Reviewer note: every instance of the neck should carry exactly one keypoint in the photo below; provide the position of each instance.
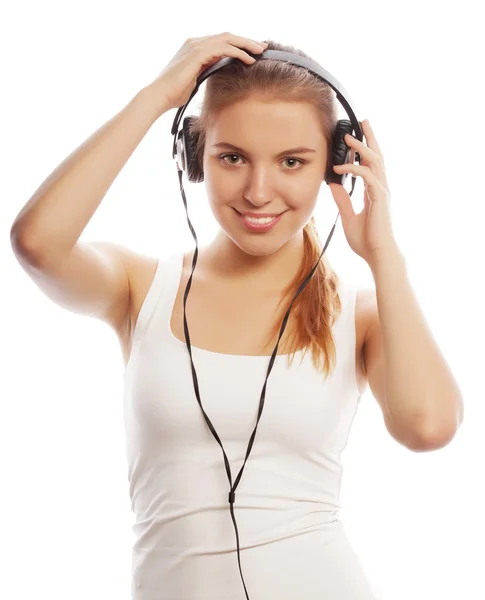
(225, 261)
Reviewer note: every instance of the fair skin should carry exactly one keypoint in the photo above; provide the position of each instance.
(258, 180)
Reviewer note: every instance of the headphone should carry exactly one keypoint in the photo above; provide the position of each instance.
(184, 153)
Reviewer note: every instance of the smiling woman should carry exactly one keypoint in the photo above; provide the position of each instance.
(266, 140)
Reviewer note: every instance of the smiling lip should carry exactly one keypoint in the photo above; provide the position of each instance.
(259, 227)
(258, 215)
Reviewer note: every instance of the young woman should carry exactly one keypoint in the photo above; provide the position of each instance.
(264, 146)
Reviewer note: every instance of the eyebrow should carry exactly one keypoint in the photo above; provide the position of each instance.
(299, 150)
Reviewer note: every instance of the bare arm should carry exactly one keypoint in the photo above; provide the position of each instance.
(52, 221)
(89, 278)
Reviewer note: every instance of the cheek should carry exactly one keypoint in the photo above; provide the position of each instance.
(220, 190)
(301, 201)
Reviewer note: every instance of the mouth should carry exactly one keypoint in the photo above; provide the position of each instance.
(262, 215)
(259, 225)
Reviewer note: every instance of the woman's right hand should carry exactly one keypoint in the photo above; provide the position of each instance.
(178, 79)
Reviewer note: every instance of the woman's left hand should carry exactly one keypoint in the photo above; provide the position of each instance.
(369, 233)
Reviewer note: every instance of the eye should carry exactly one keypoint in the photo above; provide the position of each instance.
(298, 160)
(288, 158)
(224, 156)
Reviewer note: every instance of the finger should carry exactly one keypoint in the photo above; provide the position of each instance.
(260, 43)
(236, 52)
(367, 175)
(365, 152)
(236, 49)
(370, 137)
(343, 201)
(242, 42)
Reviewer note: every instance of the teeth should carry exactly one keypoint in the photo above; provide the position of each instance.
(261, 220)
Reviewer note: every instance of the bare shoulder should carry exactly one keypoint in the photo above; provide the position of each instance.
(133, 261)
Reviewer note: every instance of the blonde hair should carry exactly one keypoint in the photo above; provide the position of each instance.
(318, 305)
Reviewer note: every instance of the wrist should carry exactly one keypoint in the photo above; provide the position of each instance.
(392, 255)
(153, 99)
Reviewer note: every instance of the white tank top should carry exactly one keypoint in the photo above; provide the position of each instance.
(292, 544)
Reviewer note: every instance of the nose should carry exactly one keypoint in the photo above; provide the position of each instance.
(258, 190)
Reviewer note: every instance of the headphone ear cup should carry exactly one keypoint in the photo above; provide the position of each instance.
(341, 153)
(192, 166)
(179, 151)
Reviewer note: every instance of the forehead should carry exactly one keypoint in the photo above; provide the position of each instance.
(259, 118)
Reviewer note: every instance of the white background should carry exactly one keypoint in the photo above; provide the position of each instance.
(415, 70)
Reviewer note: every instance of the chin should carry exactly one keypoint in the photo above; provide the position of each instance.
(255, 246)
(259, 244)
(259, 249)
